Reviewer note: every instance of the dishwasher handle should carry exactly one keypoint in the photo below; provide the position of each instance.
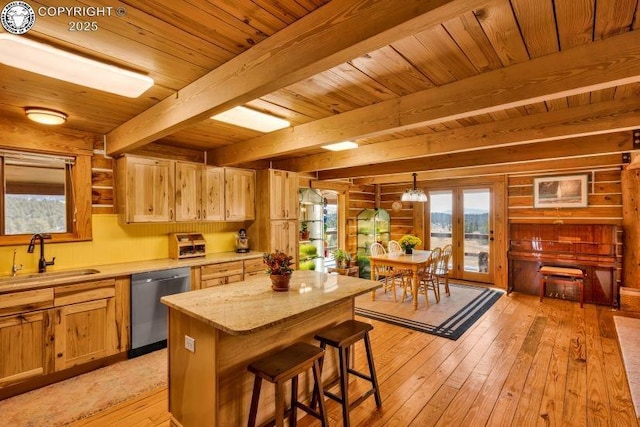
(164, 279)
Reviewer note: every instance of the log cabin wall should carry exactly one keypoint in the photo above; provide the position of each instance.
(604, 198)
(604, 202)
(402, 221)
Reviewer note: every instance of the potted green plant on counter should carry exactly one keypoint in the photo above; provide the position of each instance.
(342, 257)
(279, 269)
(408, 242)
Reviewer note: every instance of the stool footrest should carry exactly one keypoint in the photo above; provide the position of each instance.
(359, 374)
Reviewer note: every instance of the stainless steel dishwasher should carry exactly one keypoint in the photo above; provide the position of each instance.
(148, 314)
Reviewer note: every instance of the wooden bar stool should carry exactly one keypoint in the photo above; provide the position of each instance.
(281, 367)
(573, 276)
(342, 337)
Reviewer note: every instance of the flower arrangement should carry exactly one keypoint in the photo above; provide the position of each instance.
(278, 263)
(409, 241)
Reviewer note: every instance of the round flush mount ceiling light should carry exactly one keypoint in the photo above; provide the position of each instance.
(45, 116)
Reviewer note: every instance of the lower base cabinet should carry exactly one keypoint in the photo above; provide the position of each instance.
(27, 346)
(254, 267)
(84, 332)
(48, 330)
(221, 274)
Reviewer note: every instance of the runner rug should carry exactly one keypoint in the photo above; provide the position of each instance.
(79, 397)
(449, 318)
(628, 330)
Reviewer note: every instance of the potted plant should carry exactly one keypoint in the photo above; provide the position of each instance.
(342, 257)
(408, 242)
(304, 231)
(279, 269)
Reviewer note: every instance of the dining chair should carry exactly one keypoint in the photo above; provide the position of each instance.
(442, 270)
(426, 277)
(403, 274)
(384, 271)
(394, 247)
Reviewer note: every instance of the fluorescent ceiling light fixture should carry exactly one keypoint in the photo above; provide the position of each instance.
(45, 116)
(413, 194)
(251, 119)
(340, 146)
(40, 58)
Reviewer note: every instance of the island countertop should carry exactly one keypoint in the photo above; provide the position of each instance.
(249, 306)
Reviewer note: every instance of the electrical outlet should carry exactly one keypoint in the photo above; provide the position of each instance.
(190, 343)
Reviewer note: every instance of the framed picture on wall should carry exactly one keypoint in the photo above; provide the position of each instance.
(560, 191)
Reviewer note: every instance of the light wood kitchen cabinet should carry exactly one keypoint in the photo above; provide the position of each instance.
(85, 323)
(276, 197)
(283, 196)
(44, 331)
(188, 191)
(239, 194)
(213, 194)
(254, 267)
(27, 335)
(145, 189)
(221, 274)
(284, 237)
(199, 192)
(157, 190)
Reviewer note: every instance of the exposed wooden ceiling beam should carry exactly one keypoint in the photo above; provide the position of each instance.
(603, 117)
(602, 64)
(540, 166)
(333, 34)
(565, 148)
(22, 135)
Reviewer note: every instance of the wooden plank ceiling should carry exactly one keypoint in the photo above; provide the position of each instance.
(443, 88)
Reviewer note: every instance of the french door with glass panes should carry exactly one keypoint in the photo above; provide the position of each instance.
(463, 217)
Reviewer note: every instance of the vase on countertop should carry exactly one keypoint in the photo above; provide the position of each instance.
(408, 251)
(280, 282)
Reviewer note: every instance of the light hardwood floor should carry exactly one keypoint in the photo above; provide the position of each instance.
(524, 363)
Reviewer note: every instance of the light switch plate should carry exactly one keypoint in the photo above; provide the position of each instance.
(190, 343)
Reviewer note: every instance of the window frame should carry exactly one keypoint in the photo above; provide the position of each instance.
(80, 200)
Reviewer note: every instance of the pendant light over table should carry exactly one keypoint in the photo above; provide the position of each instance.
(414, 195)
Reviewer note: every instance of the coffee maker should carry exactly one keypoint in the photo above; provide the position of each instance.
(242, 241)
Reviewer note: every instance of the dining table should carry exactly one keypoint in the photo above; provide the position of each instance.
(399, 260)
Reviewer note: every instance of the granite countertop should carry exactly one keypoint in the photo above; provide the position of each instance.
(27, 281)
(252, 305)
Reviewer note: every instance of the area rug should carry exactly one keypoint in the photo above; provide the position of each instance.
(449, 318)
(79, 397)
(628, 329)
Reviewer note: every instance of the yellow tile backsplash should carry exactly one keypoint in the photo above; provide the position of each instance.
(114, 242)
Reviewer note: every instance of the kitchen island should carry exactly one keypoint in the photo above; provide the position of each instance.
(233, 325)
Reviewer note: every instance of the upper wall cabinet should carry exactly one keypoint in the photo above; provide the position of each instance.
(188, 191)
(239, 194)
(283, 192)
(145, 189)
(199, 192)
(213, 194)
(157, 190)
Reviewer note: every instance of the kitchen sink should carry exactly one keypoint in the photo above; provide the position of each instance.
(5, 280)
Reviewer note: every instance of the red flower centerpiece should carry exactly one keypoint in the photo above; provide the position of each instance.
(279, 269)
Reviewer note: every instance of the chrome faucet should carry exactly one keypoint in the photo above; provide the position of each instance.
(42, 262)
(15, 267)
